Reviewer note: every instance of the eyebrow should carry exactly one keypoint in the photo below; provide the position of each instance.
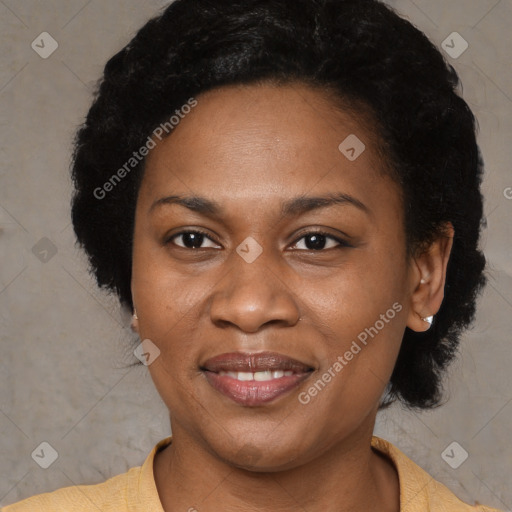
(292, 207)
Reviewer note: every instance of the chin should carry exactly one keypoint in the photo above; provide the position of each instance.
(262, 458)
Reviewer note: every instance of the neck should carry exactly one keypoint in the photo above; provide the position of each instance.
(350, 476)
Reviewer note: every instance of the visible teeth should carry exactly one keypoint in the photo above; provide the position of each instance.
(263, 375)
(258, 376)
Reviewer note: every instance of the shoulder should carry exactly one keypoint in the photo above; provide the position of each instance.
(132, 491)
(419, 491)
(109, 496)
(443, 499)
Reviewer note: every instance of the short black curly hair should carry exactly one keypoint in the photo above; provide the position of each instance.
(367, 54)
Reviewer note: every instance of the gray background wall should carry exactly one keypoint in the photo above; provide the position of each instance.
(66, 345)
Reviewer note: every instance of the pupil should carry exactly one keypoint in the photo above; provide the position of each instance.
(193, 239)
(318, 242)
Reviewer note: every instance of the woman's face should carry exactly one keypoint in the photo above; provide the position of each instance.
(260, 279)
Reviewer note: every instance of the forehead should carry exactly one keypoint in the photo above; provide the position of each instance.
(259, 142)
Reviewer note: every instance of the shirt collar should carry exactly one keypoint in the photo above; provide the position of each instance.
(413, 480)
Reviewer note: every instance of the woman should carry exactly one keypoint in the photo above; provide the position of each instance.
(286, 194)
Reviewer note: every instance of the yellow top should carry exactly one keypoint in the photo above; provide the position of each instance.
(135, 490)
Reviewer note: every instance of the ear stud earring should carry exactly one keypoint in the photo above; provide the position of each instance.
(134, 321)
(429, 320)
(423, 280)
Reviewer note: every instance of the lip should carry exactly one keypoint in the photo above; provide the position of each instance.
(253, 392)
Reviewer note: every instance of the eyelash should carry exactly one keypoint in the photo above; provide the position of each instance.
(342, 243)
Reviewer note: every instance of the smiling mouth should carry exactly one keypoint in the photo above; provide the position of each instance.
(254, 379)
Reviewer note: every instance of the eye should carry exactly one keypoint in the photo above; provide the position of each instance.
(316, 241)
(191, 239)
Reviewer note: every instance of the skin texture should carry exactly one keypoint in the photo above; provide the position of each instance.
(250, 148)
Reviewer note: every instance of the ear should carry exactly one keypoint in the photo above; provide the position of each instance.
(427, 279)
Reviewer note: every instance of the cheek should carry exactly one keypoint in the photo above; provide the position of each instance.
(162, 295)
(355, 373)
(167, 313)
(354, 296)
(360, 315)
(177, 394)
(362, 336)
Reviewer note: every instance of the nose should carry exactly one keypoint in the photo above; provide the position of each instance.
(253, 295)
